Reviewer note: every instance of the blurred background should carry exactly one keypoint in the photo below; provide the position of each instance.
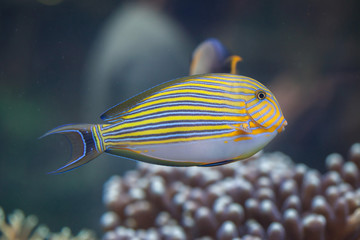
(67, 61)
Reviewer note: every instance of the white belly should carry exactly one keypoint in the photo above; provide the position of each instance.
(206, 151)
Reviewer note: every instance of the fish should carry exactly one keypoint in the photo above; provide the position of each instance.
(211, 56)
(199, 120)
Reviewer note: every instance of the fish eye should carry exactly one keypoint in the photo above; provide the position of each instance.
(261, 95)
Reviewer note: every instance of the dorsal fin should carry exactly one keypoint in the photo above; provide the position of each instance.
(114, 114)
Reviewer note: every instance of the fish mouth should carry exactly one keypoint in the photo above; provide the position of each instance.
(282, 128)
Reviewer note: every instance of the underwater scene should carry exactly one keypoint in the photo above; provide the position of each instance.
(156, 119)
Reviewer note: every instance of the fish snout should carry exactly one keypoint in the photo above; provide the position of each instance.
(282, 128)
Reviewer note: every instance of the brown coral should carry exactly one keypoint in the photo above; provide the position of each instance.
(267, 198)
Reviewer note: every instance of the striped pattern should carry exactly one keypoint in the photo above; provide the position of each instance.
(99, 144)
(194, 108)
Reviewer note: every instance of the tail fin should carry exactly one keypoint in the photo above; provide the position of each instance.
(83, 139)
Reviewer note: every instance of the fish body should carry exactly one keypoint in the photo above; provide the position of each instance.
(199, 120)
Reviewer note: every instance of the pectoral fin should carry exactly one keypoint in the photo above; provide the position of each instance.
(244, 127)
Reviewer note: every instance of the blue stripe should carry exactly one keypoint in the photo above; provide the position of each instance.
(262, 115)
(169, 136)
(238, 77)
(195, 95)
(251, 83)
(184, 103)
(277, 119)
(79, 158)
(170, 124)
(111, 126)
(256, 104)
(212, 90)
(251, 100)
(187, 134)
(118, 116)
(183, 113)
(100, 138)
(205, 83)
(94, 140)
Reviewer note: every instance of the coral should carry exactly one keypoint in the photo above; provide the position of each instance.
(268, 197)
(20, 227)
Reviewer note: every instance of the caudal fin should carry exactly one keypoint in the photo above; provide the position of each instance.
(83, 139)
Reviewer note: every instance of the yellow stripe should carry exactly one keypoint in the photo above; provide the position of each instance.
(98, 139)
(171, 130)
(191, 99)
(244, 80)
(176, 118)
(231, 88)
(187, 139)
(205, 92)
(180, 108)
